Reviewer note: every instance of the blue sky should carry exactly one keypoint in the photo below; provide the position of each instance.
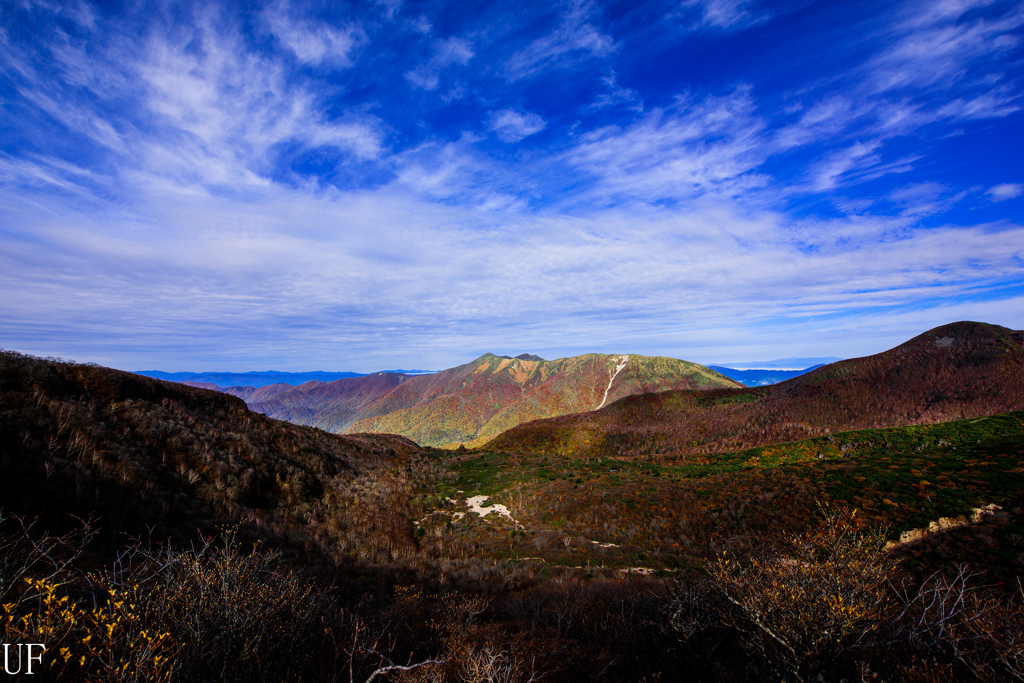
(395, 184)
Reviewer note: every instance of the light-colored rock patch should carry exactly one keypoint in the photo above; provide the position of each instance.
(945, 524)
(476, 504)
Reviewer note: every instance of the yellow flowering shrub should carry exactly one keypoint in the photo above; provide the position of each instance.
(109, 642)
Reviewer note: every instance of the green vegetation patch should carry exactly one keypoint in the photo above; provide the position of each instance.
(677, 512)
(487, 474)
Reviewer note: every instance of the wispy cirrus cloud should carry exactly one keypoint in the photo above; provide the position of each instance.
(446, 53)
(228, 115)
(924, 199)
(939, 43)
(934, 64)
(214, 111)
(823, 120)
(694, 148)
(725, 14)
(856, 164)
(615, 94)
(268, 285)
(512, 126)
(286, 188)
(575, 38)
(314, 42)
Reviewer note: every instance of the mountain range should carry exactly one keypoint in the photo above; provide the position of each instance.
(762, 376)
(251, 379)
(557, 520)
(471, 403)
(147, 454)
(331, 406)
(957, 371)
(779, 363)
(256, 379)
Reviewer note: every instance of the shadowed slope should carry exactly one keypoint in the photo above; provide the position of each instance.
(152, 456)
(474, 402)
(964, 369)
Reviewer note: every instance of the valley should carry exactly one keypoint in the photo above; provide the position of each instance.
(596, 538)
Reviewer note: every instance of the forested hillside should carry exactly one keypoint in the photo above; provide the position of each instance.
(472, 403)
(169, 533)
(960, 370)
(150, 457)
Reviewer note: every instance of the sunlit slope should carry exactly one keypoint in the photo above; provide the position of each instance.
(956, 371)
(474, 402)
(670, 512)
(331, 406)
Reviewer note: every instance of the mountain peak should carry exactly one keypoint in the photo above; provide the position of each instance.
(522, 356)
(475, 402)
(964, 331)
(956, 371)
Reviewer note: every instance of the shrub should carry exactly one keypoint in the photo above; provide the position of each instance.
(809, 607)
(234, 614)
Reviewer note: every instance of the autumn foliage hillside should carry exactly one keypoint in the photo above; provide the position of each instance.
(359, 558)
(960, 370)
(477, 401)
(331, 406)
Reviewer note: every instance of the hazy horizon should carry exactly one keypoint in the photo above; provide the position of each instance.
(777, 364)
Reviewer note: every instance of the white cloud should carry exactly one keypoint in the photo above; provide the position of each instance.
(725, 14)
(512, 126)
(439, 171)
(314, 43)
(855, 164)
(1005, 191)
(390, 7)
(213, 111)
(345, 275)
(822, 121)
(707, 147)
(940, 41)
(992, 104)
(80, 119)
(224, 110)
(938, 63)
(421, 25)
(615, 94)
(573, 39)
(183, 237)
(924, 199)
(446, 53)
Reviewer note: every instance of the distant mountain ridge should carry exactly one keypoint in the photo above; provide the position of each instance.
(761, 377)
(956, 371)
(331, 406)
(780, 363)
(251, 379)
(474, 402)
